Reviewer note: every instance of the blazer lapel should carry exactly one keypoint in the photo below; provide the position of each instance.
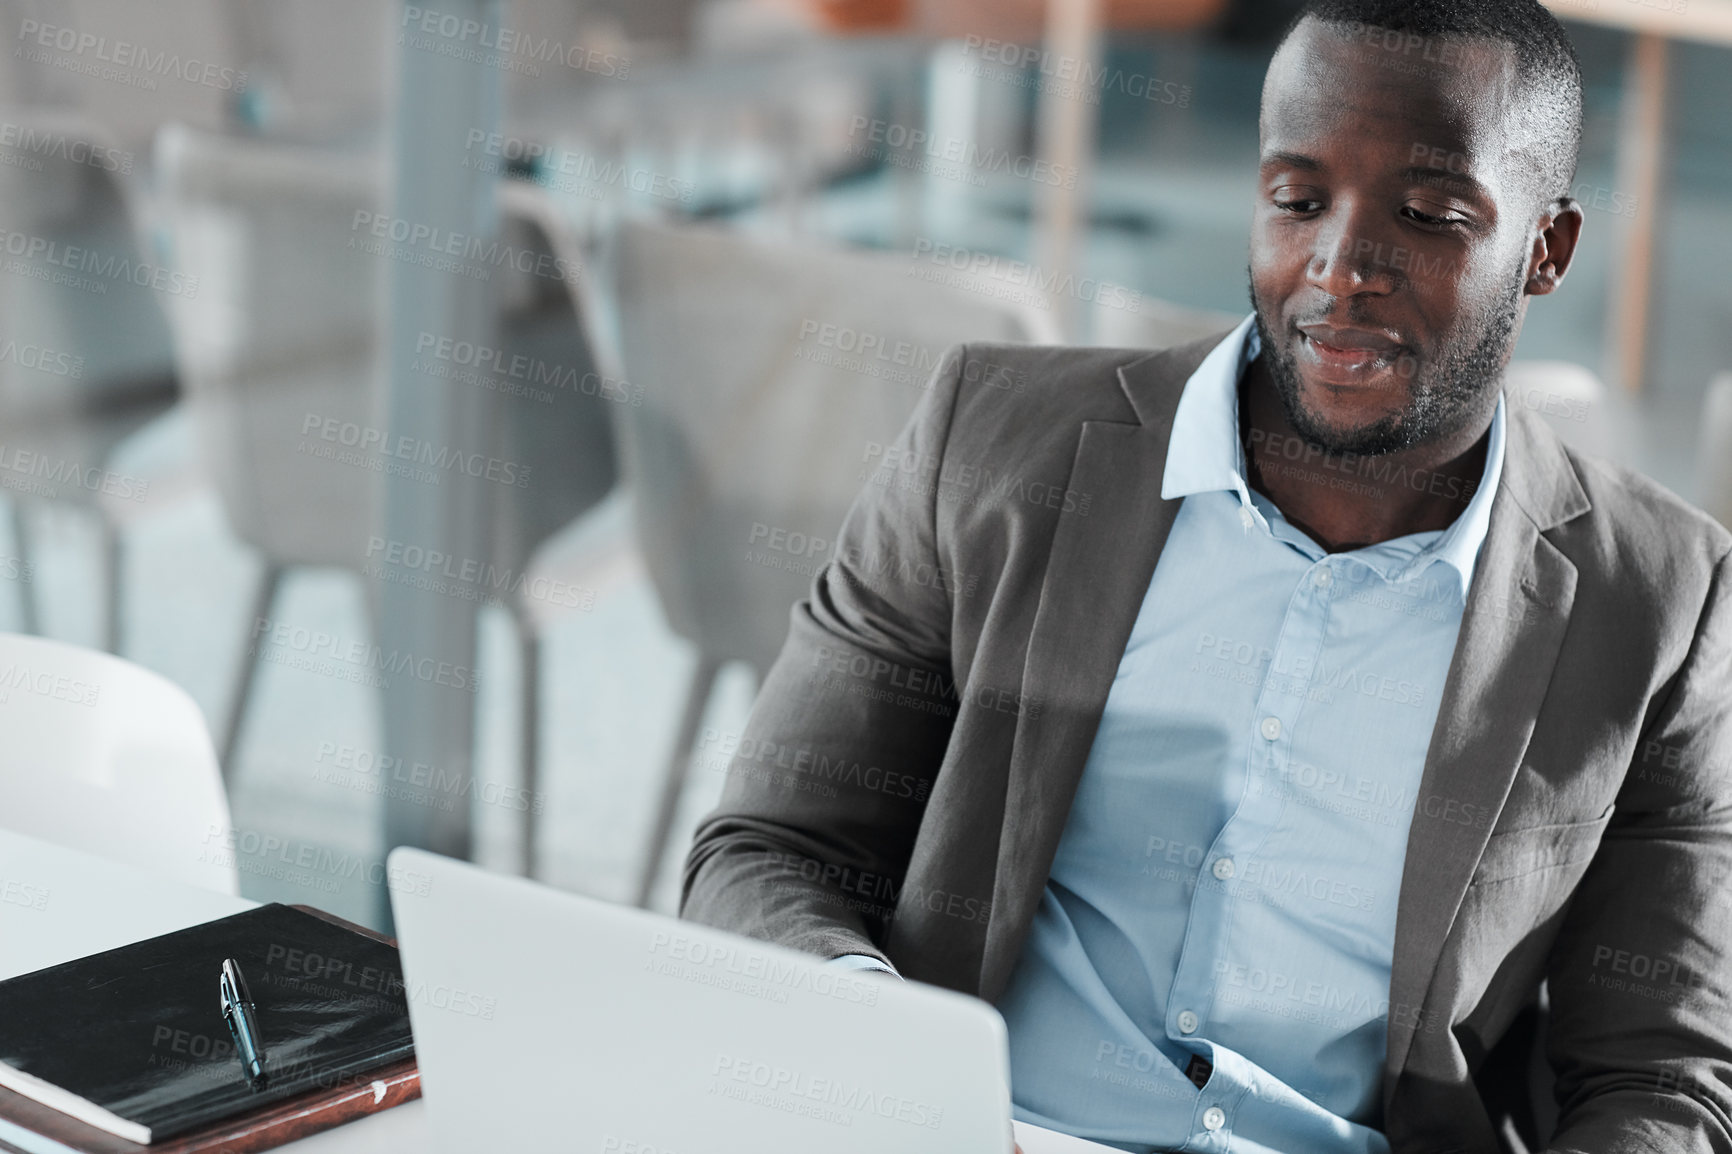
(1518, 608)
(1097, 574)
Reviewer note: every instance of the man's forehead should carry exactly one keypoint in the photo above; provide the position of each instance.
(1453, 92)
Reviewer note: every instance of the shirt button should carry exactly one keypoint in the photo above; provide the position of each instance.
(1188, 1022)
(1322, 578)
(1223, 868)
(1214, 1118)
(1271, 728)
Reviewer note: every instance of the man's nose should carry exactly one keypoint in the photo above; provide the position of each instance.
(1351, 258)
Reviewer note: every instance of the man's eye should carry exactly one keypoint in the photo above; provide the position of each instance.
(1427, 219)
(1297, 206)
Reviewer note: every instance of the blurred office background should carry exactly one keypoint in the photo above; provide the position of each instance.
(713, 250)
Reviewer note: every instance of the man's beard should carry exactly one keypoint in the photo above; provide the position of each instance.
(1442, 397)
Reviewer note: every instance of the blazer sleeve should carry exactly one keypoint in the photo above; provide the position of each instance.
(1641, 975)
(827, 784)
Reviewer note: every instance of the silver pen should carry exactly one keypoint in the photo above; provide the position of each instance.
(242, 1020)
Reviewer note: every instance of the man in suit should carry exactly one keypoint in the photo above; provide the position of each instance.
(1259, 723)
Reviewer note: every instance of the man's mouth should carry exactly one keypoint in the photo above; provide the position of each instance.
(1349, 352)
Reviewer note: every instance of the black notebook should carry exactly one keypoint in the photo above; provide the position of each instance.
(133, 1040)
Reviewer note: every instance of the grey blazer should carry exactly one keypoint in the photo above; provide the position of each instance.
(908, 767)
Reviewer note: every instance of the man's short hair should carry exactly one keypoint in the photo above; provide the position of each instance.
(1548, 72)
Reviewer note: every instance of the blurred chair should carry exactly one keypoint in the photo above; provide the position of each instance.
(288, 330)
(107, 757)
(155, 74)
(1714, 459)
(756, 418)
(1020, 21)
(1589, 417)
(79, 293)
(315, 69)
(1158, 324)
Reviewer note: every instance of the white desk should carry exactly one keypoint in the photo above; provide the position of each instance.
(88, 904)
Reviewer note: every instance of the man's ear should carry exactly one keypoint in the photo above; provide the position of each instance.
(1554, 246)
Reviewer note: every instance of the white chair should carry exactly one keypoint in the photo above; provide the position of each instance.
(1158, 324)
(113, 371)
(104, 756)
(758, 410)
(287, 328)
(133, 90)
(1586, 415)
(1714, 460)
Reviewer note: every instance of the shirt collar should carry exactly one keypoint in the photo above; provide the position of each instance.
(1206, 454)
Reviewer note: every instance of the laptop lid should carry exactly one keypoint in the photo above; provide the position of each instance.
(548, 1021)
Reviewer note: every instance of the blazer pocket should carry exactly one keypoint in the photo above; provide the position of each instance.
(1518, 852)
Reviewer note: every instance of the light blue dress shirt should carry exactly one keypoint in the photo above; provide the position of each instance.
(1226, 882)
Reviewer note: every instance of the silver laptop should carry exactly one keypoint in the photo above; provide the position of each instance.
(548, 1021)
